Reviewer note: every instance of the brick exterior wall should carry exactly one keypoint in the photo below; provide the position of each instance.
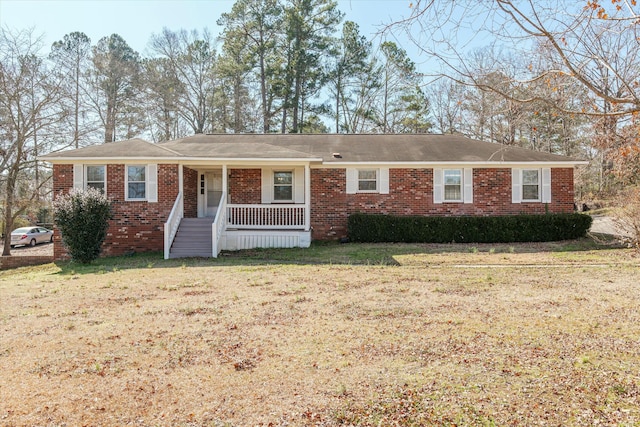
(139, 226)
(135, 226)
(411, 193)
(245, 186)
(191, 184)
(8, 262)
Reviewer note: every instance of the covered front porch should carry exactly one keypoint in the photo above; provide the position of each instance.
(239, 206)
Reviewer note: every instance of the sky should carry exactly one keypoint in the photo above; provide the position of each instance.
(137, 20)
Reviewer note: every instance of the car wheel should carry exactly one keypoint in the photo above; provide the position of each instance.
(51, 239)
(13, 246)
(32, 243)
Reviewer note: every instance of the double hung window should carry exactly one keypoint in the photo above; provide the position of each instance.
(531, 185)
(136, 184)
(96, 177)
(283, 186)
(367, 180)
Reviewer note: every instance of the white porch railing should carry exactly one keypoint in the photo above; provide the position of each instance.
(267, 217)
(171, 226)
(217, 227)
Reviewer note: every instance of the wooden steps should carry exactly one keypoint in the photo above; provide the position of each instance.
(193, 238)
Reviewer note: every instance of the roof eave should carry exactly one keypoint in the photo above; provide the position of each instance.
(181, 160)
(462, 163)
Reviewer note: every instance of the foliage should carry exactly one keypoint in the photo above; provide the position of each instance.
(116, 84)
(82, 218)
(467, 229)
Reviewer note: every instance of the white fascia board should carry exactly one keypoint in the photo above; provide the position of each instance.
(484, 165)
(198, 161)
(108, 160)
(188, 161)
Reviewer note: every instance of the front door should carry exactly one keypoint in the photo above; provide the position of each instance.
(212, 192)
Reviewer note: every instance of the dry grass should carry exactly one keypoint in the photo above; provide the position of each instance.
(456, 335)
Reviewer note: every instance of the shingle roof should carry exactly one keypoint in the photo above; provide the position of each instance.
(130, 148)
(352, 148)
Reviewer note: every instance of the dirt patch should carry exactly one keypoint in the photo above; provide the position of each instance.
(202, 343)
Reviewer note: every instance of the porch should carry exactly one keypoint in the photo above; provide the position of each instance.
(216, 224)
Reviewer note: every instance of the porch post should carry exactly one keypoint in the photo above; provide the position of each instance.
(181, 183)
(225, 190)
(307, 198)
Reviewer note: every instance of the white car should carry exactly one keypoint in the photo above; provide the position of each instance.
(30, 236)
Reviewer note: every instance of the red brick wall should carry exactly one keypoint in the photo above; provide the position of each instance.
(411, 193)
(62, 179)
(8, 262)
(135, 226)
(245, 186)
(191, 189)
(62, 184)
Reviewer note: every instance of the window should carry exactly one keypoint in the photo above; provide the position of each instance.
(452, 185)
(367, 180)
(136, 182)
(96, 177)
(283, 186)
(531, 184)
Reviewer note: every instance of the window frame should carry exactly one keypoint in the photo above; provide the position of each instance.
(460, 185)
(375, 180)
(104, 181)
(127, 182)
(290, 185)
(538, 184)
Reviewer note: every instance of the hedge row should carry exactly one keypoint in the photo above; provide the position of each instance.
(467, 229)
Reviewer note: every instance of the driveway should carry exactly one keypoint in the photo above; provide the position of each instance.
(43, 249)
(607, 225)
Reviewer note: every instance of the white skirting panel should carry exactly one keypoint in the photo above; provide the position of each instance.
(250, 239)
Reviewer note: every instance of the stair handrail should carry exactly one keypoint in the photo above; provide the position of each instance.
(172, 224)
(218, 225)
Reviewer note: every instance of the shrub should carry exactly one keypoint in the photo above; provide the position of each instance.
(82, 218)
(467, 229)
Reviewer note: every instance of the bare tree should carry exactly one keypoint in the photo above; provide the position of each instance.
(29, 100)
(583, 40)
(71, 55)
(192, 58)
(446, 98)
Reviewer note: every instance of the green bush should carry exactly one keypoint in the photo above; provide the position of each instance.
(467, 229)
(82, 218)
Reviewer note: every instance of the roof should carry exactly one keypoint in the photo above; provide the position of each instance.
(324, 148)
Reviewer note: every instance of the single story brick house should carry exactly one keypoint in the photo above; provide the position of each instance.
(198, 195)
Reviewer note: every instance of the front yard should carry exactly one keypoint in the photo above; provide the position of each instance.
(545, 334)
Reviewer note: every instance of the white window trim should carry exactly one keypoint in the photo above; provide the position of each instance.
(466, 186)
(544, 186)
(273, 185)
(376, 180)
(444, 186)
(353, 181)
(126, 183)
(85, 183)
(538, 199)
(267, 184)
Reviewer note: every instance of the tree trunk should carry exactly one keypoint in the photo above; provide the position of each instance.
(9, 200)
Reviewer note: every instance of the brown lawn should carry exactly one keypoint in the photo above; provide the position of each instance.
(399, 335)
